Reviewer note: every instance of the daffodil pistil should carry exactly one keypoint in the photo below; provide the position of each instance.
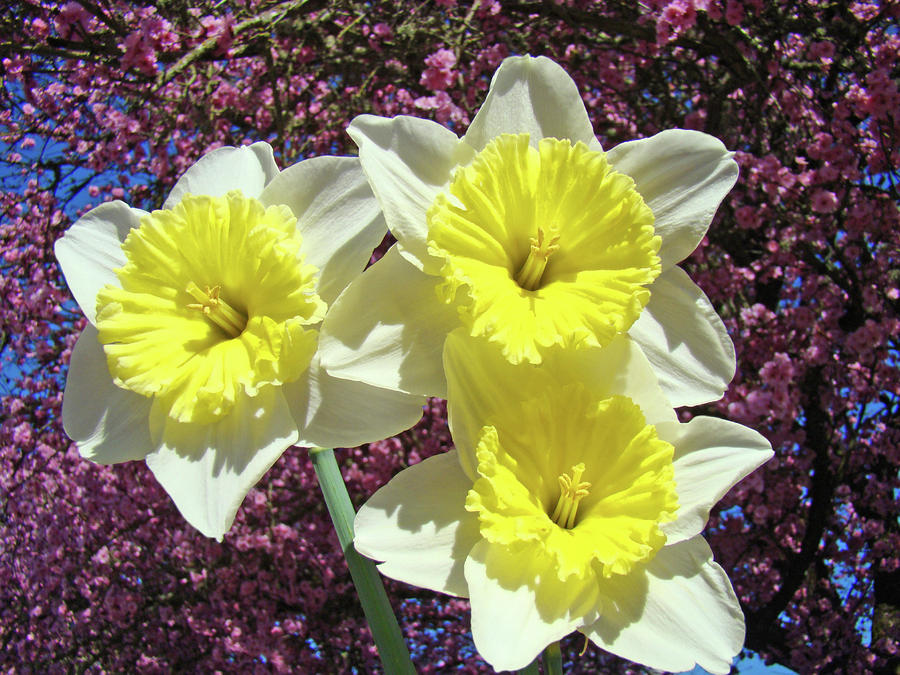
(214, 300)
(571, 491)
(542, 246)
(217, 310)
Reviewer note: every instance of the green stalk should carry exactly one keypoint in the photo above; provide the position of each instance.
(553, 659)
(531, 669)
(382, 622)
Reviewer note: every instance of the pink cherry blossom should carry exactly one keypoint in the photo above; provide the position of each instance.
(113, 99)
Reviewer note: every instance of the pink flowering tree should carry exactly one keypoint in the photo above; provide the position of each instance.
(105, 100)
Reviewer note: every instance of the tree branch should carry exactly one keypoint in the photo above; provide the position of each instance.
(763, 623)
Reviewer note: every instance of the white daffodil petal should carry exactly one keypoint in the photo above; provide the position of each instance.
(388, 329)
(683, 176)
(408, 161)
(508, 627)
(685, 340)
(91, 250)
(247, 168)
(337, 214)
(208, 469)
(711, 456)
(532, 95)
(620, 368)
(418, 526)
(337, 413)
(688, 615)
(109, 424)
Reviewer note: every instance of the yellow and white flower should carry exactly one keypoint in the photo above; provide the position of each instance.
(569, 504)
(201, 353)
(533, 237)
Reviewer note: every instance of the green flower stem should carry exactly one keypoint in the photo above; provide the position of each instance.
(531, 669)
(388, 638)
(553, 659)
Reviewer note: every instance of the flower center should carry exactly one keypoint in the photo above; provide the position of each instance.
(605, 526)
(213, 303)
(542, 247)
(571, 491)
(216, 309)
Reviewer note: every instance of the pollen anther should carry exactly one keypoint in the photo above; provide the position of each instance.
(216, 309)
(572, 491)
(542, 247)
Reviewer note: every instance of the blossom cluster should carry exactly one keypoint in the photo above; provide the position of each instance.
(800, 263)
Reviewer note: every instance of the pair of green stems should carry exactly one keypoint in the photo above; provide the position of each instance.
(372, 596)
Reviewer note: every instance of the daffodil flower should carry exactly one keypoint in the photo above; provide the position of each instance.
(533, 237)
(569, 503)
(201, 353)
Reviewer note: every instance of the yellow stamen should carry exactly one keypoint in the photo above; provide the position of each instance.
(217, 310)
(542, 247)
(584, 649)
(572, 491)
